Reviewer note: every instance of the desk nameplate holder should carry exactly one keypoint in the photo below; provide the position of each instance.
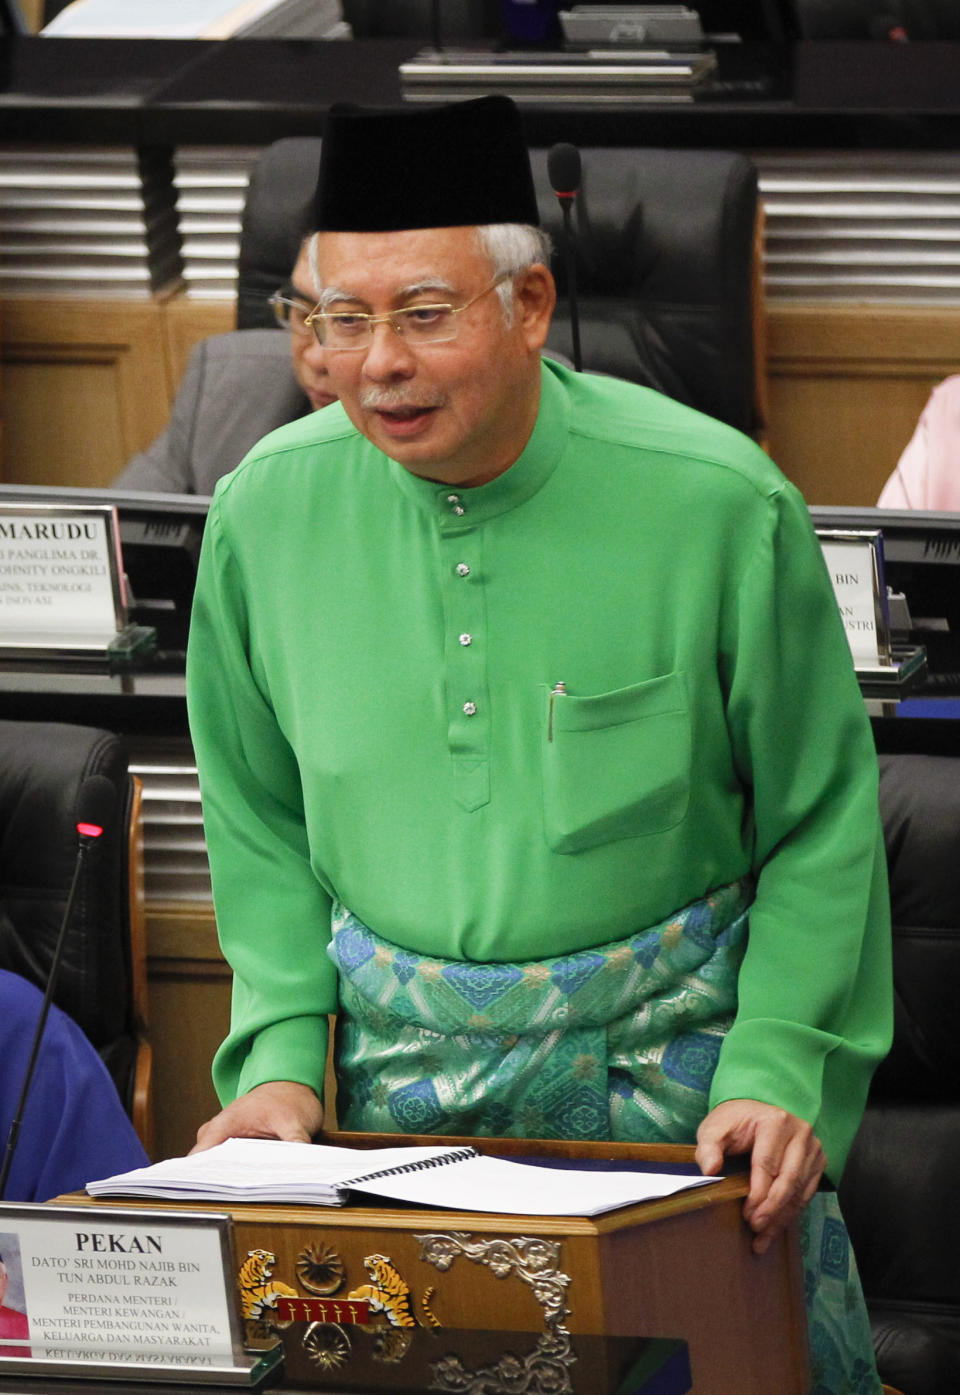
(63, 592)
(592, 26)
(123, 1294)
(854, 560)
(606, 76)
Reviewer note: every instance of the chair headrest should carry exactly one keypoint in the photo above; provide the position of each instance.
(276, 215)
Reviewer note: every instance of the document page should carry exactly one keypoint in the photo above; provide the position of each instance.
(498, 1184)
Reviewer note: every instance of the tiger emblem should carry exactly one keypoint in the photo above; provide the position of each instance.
(389, 1293)
(258, 1294)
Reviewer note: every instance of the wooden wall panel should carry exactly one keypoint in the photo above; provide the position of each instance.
(189, 992)
(847, 384)
(189, 1015)
(85, 385)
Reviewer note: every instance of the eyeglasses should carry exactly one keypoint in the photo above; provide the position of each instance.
(420, 324)
(291, 311)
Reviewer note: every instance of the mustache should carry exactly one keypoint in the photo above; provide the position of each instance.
(397, 399)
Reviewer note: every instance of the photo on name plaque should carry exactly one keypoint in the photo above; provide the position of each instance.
(14, 1323)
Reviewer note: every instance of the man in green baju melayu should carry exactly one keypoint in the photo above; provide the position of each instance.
(528, 735)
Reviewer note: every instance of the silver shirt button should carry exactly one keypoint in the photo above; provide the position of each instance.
(465, 640)
(462, 569)
(470, 708)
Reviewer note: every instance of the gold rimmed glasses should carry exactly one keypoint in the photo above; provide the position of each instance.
(420, 324)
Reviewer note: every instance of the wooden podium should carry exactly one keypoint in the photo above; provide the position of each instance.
(681, 1268)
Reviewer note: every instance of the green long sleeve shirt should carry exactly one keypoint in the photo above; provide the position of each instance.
(522, 719)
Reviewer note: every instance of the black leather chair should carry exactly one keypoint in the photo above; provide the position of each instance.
(667, 261)
(277, 212)
(668, 274)
(899, 1190)
(102, 979)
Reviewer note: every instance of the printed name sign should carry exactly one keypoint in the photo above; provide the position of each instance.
(91, 1290)
(61, 580)
(855, 563)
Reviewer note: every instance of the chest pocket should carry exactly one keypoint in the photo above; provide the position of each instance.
(615, 765)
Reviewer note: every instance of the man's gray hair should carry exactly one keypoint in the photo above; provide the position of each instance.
(512, 247)
(313, 243)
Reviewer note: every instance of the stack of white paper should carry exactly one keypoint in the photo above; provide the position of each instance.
(199, 19)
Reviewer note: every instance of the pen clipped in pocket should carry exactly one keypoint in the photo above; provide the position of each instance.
(615, 765)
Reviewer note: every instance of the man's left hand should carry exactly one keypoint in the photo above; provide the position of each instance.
(786, 1161)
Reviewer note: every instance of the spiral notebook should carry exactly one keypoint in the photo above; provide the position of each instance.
(261, 1169)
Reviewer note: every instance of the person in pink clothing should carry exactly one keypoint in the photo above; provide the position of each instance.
(928, 472)
(13, 1323)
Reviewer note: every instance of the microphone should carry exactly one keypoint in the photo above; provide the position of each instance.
(95, 804)
(563, 170)
(888, 25)
(563, 167)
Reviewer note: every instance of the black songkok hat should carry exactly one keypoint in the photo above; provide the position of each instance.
(458, 165)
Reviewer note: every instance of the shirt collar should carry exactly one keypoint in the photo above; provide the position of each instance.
(515, 486)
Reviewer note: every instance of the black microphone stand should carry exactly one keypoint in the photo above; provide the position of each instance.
(563, 171)
(570, 261)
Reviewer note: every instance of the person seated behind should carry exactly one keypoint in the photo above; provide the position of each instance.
(238, 387)
(74, 1128)
(928, 472)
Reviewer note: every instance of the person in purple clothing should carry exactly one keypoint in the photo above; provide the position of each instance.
(74, 1127)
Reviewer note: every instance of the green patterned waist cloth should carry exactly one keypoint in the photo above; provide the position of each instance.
(618, 1041)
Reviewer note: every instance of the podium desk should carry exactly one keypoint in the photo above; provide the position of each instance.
(681, 1268)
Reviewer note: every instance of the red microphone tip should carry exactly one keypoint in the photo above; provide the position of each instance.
(89, 830)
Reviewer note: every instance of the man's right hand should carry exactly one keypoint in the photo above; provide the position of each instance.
(281, 1109)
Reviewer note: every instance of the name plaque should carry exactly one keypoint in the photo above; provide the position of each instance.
(62, 584)
(855, 562)
(117, 1294)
